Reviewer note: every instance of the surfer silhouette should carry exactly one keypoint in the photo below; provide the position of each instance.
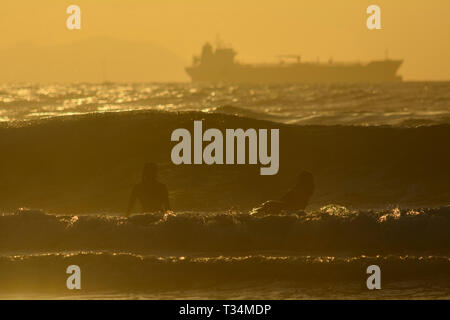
(151, 193)
(297, 198)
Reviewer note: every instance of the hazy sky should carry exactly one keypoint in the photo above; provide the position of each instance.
(415, 30)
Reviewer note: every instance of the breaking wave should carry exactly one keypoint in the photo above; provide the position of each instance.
(329, 230)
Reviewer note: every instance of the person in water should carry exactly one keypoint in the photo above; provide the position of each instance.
(296, 198)
(151, 193)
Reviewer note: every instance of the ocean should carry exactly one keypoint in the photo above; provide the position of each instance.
(71, 154)
(399, 104)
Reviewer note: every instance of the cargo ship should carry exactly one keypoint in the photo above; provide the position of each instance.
(219, 65)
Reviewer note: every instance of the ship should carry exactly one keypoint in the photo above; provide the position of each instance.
(219, 65)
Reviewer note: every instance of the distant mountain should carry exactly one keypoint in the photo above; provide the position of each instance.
(92, 60)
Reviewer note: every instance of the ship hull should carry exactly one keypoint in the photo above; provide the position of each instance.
(376, 71)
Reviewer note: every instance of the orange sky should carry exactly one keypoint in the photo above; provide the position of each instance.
(415, 30)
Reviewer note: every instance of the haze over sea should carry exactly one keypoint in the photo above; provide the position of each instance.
(72, 152)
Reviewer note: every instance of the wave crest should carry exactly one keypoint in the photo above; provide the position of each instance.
(106, 271)
(328, 230)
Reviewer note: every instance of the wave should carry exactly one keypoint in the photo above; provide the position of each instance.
(130, 272)
(89, 163)
(399, 104)
(331, 230)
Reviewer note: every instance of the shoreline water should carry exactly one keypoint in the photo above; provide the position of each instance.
(225, 277)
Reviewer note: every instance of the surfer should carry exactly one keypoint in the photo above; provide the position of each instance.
(296, 198)
(151, 193)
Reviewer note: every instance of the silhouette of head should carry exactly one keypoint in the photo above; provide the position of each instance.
(150, 171)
